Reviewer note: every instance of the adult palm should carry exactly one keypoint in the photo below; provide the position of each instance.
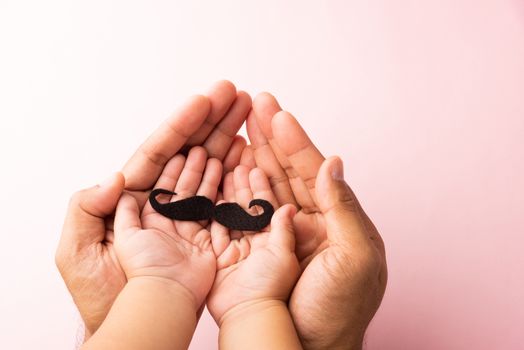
(341, 252)
(85, 256)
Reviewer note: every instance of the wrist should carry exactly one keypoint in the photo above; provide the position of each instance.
(249, 308)
(166, 286)
(342, 344)
(345, 340)
(143, 299)
(258, 324)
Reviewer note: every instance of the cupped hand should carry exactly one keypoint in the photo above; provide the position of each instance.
(85, 256)
(148, 244)
(341, 253)
(252, 266)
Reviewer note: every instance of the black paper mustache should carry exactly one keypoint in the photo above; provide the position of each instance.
(196, 208)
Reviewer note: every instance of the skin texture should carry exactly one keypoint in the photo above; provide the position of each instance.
(85, 256)
(341, 253)
(148, 244)
(255, 272)
(128, 325)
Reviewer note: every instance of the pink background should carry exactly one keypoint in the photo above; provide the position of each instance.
(424, 100)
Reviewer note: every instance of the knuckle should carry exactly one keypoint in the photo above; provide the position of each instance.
(77, 197)
(155, 157)
(348, 201)
(278, 180)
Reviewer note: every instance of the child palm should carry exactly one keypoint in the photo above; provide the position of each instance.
(149, 244)
(252, 266)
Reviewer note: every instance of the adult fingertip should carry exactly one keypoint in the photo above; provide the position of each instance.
(336, 168)
(198, 103)
(331, 188)
(265, 106)
(240, 140)
(225, 85)
(263, 98)
(244, 95)
(116, 179)
(282, 121)
(325, 178)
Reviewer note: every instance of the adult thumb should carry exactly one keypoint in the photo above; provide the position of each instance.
(84, 223)
(338, 204)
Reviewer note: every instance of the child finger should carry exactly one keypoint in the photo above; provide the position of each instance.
(211, 179)
(282, 233)
(191, 175)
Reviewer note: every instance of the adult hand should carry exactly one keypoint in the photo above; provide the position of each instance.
(340, 251)
(85, 256)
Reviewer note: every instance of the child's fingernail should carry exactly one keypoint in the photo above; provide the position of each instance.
(109, 181)
(337, 170)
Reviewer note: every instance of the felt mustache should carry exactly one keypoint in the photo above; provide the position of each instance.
(196, 208)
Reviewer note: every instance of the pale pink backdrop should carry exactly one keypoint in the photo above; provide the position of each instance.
(424, 100)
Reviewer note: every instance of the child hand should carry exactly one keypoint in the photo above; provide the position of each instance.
(256, 266)
(148, 244)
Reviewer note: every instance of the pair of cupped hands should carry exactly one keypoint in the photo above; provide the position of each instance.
(321, 254)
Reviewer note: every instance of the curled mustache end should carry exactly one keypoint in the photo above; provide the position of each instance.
(234, 217)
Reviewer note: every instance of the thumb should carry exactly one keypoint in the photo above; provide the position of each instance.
(282, 232)
(338, 204)
(85, 219)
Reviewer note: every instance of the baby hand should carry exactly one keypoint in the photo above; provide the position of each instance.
(148, 244)
(252, 267)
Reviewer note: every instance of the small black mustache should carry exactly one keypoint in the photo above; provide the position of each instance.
(196, 208)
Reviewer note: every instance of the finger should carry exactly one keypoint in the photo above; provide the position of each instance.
(248, 158)
(127, 216)
(219, 236)
(207, 180)
(237, 180)
(344, 224)
(167, 181)
(282, 234)
(221, 96)
(144, 167)
(233, 156)
(228, 187)
(141, 197)
(219, 140)
(171, 174)
(266, 107)
(235, 252)
(243, 192)
(191, 175)
(84, 223)
(304, 158)
(261, 187)
(266, 160)
(211, 179)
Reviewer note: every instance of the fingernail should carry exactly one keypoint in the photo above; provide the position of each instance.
(337, 170)
(108, 182)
